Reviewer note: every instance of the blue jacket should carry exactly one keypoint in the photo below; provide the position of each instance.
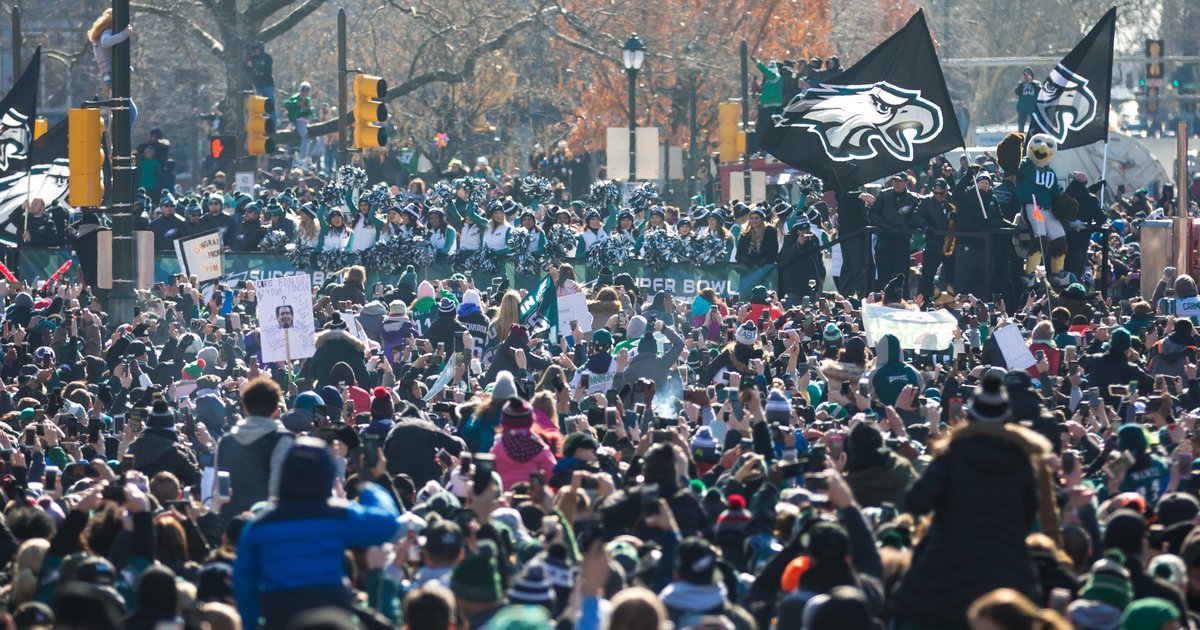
(300, 544)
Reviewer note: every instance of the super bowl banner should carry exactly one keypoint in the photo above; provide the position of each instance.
(684, 281)
(887, 112)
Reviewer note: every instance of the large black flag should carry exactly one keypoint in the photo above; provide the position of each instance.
(885, 113)
(1072, 105)
(18, 110)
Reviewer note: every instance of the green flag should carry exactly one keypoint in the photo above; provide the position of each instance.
(539, 309)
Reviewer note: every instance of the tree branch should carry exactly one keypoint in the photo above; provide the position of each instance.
(260, 10)
(287, 22)
(215, 46)
(468, 65)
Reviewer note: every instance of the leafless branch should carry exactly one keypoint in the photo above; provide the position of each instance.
(285, 23)
(184, 22)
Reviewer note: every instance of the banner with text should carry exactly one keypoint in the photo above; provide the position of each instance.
(285, 313)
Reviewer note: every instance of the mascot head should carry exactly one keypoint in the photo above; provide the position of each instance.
(1010, 151)
(860, 121)
(1041, 149)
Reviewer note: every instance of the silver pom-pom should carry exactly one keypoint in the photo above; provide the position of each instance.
(614, 252)
(643, 196)
(660, 248)
(482, 260)
(810, 185)
(535, 188)
(702, 250)
(604, 193)
(420, 252)
(336, 259)
(560, 241)
(442, 194)
(524, 260)
(301, 256)
(386, 257)
(477, 189)
(275, 242)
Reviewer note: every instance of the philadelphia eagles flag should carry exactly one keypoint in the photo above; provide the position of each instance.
(885, 113)
(1072, 106)
(29, 169)
(539, 309)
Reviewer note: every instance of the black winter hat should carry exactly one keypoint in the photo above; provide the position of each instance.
(308, 471)
(1125, 530)
(161, 416)
(381, 404)
(989, 405)
(695, 561)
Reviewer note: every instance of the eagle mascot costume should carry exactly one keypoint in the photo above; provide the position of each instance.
(1043, 208)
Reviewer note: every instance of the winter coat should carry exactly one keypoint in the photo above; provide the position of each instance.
(410, 448)
(1053, 356)
(166, 230)
(513, 471)
(396, 328)
(767, 253)
(334, 346)
(1107, 369)
(503, 359)
(1169, 356)
(352, 292)
(157, 450)
(888, 483)
(447, 330)
(653, 366)
(292, 557)
(245, 236)
(895, 211)
(252, 453)
(798, 264)
(892, 373)
(984, 494)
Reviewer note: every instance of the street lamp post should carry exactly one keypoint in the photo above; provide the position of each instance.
(632, 55)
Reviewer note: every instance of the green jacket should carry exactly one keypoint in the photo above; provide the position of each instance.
(892, 373)
(772, 87)
(298, 107)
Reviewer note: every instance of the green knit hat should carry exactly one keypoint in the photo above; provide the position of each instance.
(602, 338)
(194, 370)
(1148, 613)
(1109, 581)
(477, 576)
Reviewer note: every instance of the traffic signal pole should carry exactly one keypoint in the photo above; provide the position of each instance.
(121, 299)
(16, 43)
(745, 58)
(343, 111)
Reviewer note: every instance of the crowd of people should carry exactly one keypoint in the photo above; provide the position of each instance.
(723, 460)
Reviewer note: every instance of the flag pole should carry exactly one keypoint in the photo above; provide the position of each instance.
(1104, 174)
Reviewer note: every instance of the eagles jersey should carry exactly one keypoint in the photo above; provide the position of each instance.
(1005, 194)
(1036, 183)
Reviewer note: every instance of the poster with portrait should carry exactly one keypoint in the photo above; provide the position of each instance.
(285, 317)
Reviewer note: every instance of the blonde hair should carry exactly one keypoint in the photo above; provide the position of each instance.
(1007, 608)
(637, 608)
(102, 23)
(27, 566)
(508, 314)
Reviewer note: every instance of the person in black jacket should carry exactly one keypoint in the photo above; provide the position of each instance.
(413, 442)
(505, 356)
(446, 329)
(800, 265)
(1089, 220)
(353, 288)
(40, 228)
(759, 243)
(894, 212)
(168, 226)
(254, 449)
(247, 234)
(970, 277)
(216, 219)
(1126, 530)
(935, 213)
(1113, 367)
(157, 449)
(261, 68)
(974, 547)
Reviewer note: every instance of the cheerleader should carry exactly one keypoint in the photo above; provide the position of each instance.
(537, 238)
(593, 232)
(335, 235)
(495, 233)
(442, 235)
(308, 231)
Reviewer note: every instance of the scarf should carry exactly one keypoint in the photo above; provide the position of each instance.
(521, 444)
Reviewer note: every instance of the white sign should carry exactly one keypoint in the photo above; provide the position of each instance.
(758, 186)
(916, 330)
(200, 256)
(573, 308)
(617, 151)
(285, 318)
(1012, 345)
(674, 170)
(443, 379)
(244, 182)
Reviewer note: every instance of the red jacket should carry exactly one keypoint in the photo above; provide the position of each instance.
(1052, 355)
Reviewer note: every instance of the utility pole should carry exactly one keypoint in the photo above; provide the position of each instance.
(343, 111)
(16, 42)
(121, 299)
(746, 121)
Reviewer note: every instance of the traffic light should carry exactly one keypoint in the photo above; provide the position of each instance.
(369, 110)
(85, 131)
(259, 127)
(40, 126)
(730, 140)
(1154, 66)
(222, 147)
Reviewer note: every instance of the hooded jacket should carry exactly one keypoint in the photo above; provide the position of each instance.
(335, 346)
(157, 450)
(650, 364)
(973, 546)
(1113, 367)
(252, 453)
(876, 474)
(393, 332)
(1171, 355)
(473, 320)
(446, 329)
(410, 445)
(891, 373)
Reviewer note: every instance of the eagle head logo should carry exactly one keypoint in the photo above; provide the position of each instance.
(1065, 103)
(14, 137)
(855, 122)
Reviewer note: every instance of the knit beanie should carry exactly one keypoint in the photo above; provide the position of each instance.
(602, 338)
(1120, 342)
(307, 401)
(695, 561)
(518, 335)
(532, 586)
(476, 577)
(704, 446)
(424, 290)
(832, 333)
(578, 440)
(647, 345)
(516, 414)
(471, 296)
(208, 355)
(1149, 613)
(746, 334)
(504, 387)
(778, 408)
(636, 327)
(409, 278)
(396, 307)
(1125, 530)
(758, 295)
(447, 306)
(381, 404)
(195, 369)
(1132, 438)
(1109, 581)
(161, 416)
(735, 517)
(989, 405)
